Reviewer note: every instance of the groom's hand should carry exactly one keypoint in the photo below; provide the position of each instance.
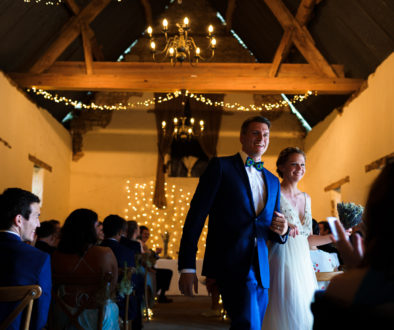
(186, 283)
(279, 224)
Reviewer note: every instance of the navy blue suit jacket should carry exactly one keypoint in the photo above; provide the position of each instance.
(122, 253)
(23, 264)
(225, 195)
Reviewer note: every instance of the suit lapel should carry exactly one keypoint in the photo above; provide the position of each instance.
(240, 167)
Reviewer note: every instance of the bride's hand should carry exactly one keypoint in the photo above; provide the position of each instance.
(293, 230)
(279, 224)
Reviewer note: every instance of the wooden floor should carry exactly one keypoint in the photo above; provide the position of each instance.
(185, 313)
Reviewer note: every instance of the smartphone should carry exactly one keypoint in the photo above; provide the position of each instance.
(331, 223)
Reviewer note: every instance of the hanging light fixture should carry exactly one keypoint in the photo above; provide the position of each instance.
(181, 46)
(184, 127)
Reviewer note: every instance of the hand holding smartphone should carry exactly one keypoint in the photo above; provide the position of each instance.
(331, 223)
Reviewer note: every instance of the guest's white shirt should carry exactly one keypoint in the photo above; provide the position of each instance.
(257, 185)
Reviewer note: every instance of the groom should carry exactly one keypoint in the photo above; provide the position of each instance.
(242, 200)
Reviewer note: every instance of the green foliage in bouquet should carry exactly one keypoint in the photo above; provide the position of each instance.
(350, 214)
(125, 285)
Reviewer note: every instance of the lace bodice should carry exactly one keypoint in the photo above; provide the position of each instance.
(291, 215)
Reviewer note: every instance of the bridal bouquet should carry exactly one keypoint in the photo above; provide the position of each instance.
(350, 214)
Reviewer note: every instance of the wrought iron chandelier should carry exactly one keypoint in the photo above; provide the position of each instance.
(181, 46)
(183, 127)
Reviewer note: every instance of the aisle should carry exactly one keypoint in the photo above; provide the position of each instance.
(185, 314)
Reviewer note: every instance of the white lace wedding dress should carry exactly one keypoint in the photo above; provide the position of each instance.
(293, 280)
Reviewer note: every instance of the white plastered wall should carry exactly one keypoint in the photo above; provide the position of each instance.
(344, 143)
(32, 130)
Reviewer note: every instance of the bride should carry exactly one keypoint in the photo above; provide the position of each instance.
(293, 280)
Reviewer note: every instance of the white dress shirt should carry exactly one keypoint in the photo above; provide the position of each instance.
(257, 185)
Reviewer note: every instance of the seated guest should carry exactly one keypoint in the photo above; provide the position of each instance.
(78, 256)
(113, 226)
(48, 236)
(100, 233)
(129, 236)
(363, 297)
(322, 261)
(23, 264)
(163, 275)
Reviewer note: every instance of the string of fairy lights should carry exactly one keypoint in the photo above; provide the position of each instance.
(229, 106)
(50, 2)
(168, 220)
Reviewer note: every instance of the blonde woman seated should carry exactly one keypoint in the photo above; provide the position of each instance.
(78, 256)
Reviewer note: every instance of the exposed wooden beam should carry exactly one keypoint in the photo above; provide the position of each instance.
(303, 15)
(302, 38)
(337, 184)
(279, 54)
(206, 77)
(69, 32)
(87, 49)
(148, 12)
(379, 163)
(96, 48)
(231, 4)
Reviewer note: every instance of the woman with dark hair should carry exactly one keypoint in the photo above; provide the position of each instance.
(293, 280)
(78, 256)
(363, 297)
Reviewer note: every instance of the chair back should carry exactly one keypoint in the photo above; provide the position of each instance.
(25, 295)
(326, 276)
(73, 295)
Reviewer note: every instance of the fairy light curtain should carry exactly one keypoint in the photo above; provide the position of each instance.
(166, 111)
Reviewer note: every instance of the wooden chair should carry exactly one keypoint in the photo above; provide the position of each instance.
(26, 295)
(91, 292)
(326, 276)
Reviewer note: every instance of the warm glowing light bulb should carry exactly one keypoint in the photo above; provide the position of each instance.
(186, 21)
(198, 51)
(175, 120)
(153, 45)
(210, 29)
(165, 24)
(192, 120)
(163, 124)
(213, 42)
(171, 50)
(149, 30)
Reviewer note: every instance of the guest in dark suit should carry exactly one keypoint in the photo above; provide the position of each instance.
(113, 226)
(242, 200)
(129, 236)
(48, 235)
(22, 263)
(163, 275)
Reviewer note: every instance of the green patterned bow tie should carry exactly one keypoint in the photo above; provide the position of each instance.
(257, 165)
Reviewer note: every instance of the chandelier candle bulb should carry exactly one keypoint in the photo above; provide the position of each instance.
(153, 46)
(186, 21)
(213, 43)
(149, 30)
(165, 24)
(192, 121)
(210, 30)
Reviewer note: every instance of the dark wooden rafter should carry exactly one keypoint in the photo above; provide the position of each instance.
(67, 35)
(303, 15)
(87, 48)
(148, 12)
(204, 78)
(231, 4)
(96, 48)
(300, 37)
